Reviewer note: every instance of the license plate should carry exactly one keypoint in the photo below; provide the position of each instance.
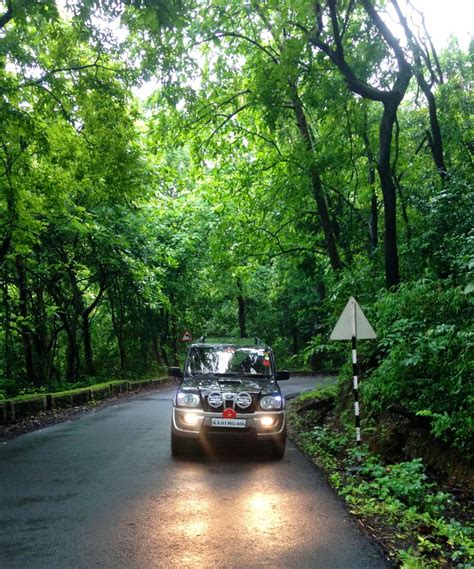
(236, 423)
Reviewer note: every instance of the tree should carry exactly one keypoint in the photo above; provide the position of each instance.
(390, 99)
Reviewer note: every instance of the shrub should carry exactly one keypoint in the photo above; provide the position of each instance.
(425, 358)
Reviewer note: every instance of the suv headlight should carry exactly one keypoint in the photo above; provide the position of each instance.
(185, 399)
(270, 402)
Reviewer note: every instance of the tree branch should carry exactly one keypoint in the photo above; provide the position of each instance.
(211, 108)
(98, 298)
(62, 108)
(264, 138)
(95, 65)
(337, 57)
(224, 122)
(386, 33)
(284, 251)
(6, 16)
(440, 77)
(272, 54)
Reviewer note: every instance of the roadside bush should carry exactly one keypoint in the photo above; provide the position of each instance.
(402, 495)
(422, 525)
(405, 482)
(425, 358)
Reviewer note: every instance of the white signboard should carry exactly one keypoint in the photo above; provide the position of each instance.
(353, 322)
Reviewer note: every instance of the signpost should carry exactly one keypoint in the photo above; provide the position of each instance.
(353, 325)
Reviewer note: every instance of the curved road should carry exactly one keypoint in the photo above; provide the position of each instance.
(103, 491)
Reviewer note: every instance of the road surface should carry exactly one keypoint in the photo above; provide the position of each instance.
(104, 491)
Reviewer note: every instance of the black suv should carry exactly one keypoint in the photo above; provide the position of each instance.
(229, 390)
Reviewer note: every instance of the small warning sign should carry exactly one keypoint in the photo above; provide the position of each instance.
(186, 337)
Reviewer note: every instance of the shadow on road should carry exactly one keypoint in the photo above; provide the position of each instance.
(227, 452)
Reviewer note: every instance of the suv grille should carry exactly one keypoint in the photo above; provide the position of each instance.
(212, 403)
(223, 431)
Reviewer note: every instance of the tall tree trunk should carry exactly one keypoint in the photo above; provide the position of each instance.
(86, 325)
(118, 329)
(153, 334)
(174, 340)
(295, 339)
(389, 190)
(315, 179)
(24, 326)
(242, 329)
(11, 214)
(374, 222)
(40, 337)
(7, 354)
(69, 319)
(436, 139)
(242, 310)
(72, 354)
(164, 316)
(156, 349)
(87, 341)
(374, 211)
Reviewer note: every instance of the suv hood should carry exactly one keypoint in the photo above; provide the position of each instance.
(236, 384)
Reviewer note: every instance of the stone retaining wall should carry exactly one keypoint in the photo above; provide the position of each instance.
(12, 410)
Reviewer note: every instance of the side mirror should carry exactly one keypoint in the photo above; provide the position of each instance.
(175, 372)
(282, 375)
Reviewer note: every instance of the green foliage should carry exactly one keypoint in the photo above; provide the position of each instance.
(405, 482)
(425, 358)
(326, 393)
(331, 353)
(402, 494)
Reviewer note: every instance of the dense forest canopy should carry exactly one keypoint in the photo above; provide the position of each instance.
(293, 154)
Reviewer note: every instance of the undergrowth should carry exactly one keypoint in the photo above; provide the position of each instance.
(421, 525)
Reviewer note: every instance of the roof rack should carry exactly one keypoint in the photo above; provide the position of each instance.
(237, 341)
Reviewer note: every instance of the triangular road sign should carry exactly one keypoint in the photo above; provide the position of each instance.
(186, 337)
(353, 322)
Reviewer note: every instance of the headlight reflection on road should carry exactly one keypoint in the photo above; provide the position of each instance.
(263, 513)
(192, 516)
(196, 522)
(189, 527)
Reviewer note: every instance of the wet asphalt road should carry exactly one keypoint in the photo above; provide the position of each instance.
(104, 491)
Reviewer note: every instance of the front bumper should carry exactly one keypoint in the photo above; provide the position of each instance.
(254, 427)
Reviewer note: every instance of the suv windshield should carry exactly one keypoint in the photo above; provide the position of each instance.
(229, 360)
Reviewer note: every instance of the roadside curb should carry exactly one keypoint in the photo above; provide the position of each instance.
(16, 409)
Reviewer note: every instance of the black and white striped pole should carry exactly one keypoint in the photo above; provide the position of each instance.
(355, 386)
(353, 325)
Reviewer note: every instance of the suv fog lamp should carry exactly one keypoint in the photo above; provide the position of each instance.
(188, 399)
(267, 422)
(244, 400)
(215, 399)
(190, 419)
